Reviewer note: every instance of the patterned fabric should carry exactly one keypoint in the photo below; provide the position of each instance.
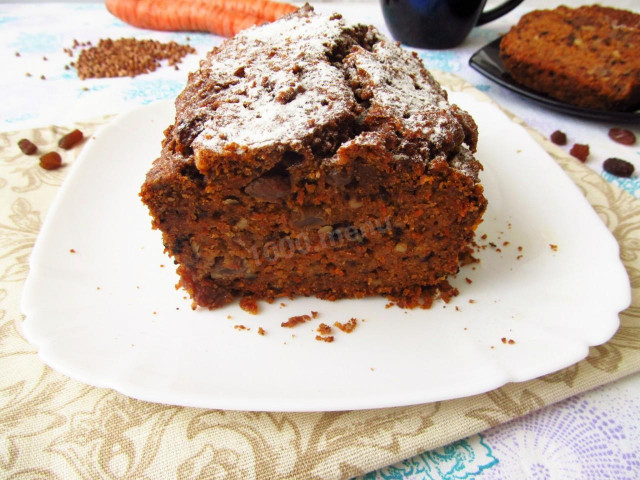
(52, 427)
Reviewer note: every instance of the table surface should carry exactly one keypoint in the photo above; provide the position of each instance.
(541, 445)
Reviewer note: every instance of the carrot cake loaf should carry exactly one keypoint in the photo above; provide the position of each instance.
(587, 56)
(309, 157)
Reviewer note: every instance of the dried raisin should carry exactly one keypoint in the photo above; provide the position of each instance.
(620, 135)
(618, 167)
(559, 138)
(51, 161)
(581, 152)
(71, 139)
(27, 146)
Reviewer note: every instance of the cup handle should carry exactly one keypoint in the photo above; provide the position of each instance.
(499, 11)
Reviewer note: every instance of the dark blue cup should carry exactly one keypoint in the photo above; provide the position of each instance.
(438, 23)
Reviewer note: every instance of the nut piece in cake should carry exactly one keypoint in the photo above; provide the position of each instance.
(309, 157)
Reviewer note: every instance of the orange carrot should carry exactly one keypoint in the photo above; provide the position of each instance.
(222, 17)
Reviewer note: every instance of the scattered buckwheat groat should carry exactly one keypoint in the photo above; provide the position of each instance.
(128, 57)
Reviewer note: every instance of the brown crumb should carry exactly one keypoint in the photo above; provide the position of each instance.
(372, 369)
(282, 304)
(520, 248)
(492, 347)
(229, 317)
(324, 329)
(293, 321)
(511, 342)
(17, 54)
(155, 313)
(491, 244)
(42, 77)
(261, 331)
(504, 244)
(347, 327)
(503, 340)
(241, 327)
(484, 237)
(468, 280)
(45, 58)
(328, 339)
(553, 247)
(519, 257)
(27, 74)
(457, 308)
(161, 265)
(249, 305)
(98, 288)
(389, 305)
(471, 300)
(314, 314)
(72, 250)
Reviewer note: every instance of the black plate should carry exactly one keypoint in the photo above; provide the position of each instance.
(487, 61)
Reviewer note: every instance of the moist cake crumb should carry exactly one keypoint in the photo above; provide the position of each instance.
(327, 339)
(249, 305)
(324, 329)
(347, 327)
(296, 320)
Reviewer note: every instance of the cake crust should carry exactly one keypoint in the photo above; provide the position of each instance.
(312, 158)
(588, 56)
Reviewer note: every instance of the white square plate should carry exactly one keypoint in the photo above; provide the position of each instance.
(108, 315)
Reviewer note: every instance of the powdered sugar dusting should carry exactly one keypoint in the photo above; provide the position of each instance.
(282, 92)
(276, 86)
(404, 91)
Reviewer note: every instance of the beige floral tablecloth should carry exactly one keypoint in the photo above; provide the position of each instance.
(53, 427)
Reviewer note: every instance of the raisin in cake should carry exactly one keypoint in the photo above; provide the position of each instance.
(312, 158)
(588, 56)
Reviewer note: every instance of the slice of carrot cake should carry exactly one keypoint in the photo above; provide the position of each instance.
(309, 157)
